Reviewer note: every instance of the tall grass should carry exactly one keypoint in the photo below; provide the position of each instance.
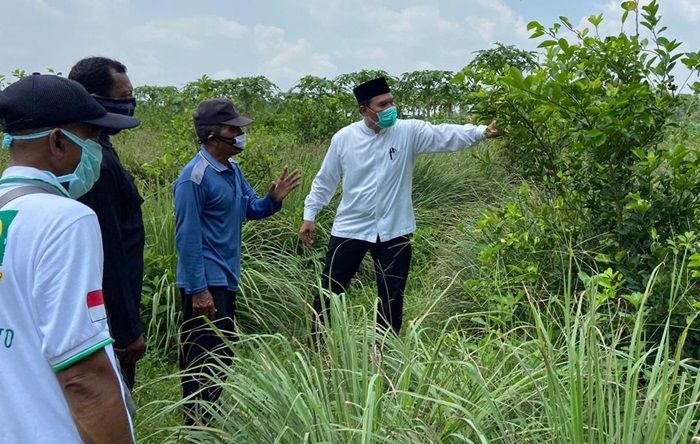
(436, 384)
(452, 376)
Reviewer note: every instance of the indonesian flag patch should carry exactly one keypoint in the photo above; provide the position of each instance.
(96, 306)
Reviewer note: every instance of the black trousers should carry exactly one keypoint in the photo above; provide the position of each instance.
(392, 260)
(129, 374)
(203, 352)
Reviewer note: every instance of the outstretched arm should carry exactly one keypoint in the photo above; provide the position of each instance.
(446, 137)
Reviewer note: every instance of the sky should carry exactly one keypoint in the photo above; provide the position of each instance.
(177, 41)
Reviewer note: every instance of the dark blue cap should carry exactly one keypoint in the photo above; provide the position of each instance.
(40, 101)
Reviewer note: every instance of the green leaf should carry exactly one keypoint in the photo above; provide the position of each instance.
(635, 299)
(629, 6)
(547, 43)
(597, 136)
(595, 20)
(584, 277)
(533, 25)
(514, 78)
(602, 258)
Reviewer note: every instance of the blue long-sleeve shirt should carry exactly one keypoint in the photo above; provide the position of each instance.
(212, 200)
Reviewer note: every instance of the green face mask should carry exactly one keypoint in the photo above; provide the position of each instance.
(88, 170)
(387, 118)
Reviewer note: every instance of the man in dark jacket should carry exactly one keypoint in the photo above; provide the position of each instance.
(117, 203)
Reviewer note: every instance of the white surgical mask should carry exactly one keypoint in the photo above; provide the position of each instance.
(240, 141)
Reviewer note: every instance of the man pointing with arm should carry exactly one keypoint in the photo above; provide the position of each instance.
(373, 160)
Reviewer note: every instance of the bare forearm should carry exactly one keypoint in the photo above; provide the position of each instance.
(94, 397)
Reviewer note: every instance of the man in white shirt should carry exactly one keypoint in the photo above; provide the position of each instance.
(374, 158)
(58, 379)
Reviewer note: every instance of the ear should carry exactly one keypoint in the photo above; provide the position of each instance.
(58, 144)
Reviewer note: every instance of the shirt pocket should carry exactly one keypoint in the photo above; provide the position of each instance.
(394, 155)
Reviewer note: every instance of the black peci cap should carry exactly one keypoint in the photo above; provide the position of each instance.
(218, 112)
(41, 100)
(371, 88)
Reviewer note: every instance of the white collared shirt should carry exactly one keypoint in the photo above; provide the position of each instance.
(377, 175)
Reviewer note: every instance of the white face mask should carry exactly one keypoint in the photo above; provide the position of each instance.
(240, 141)
(236, 142)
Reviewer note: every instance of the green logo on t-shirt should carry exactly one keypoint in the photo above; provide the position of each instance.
(6, 218)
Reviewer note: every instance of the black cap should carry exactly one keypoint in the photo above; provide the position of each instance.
(371, 88)
(218, 112)
(41, 100)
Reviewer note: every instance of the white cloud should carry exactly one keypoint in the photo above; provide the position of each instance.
(424, 64)
(287, 61)
(41, 7)
(144, 66)
(485, 27)
(687, 11)
(224, 74)
(365, 54)
(411, 25)
(193, 32)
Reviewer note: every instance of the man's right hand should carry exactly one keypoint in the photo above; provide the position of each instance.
(203, 305)
(307, 233)
(133, 352)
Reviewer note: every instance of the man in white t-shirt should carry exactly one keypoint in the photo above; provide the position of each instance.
(58, 380)
(374, 158)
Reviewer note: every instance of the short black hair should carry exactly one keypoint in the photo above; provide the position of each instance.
(95, 74)
(203, 131)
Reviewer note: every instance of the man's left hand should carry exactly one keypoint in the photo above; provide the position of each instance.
(284, 184)
(492, 131)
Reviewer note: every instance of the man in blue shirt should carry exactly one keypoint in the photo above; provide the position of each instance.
(212, 200)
